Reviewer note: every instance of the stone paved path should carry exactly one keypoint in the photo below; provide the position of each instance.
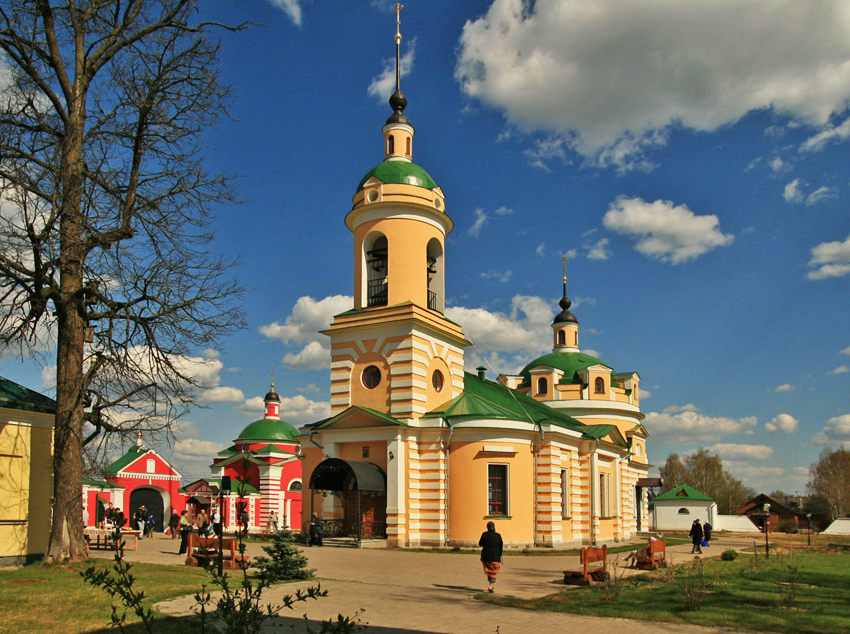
(422, 592)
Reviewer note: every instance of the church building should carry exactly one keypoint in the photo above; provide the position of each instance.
(420, 452)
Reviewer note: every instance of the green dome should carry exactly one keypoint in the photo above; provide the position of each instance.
(569, 362)
(399, 172)
(268, 429)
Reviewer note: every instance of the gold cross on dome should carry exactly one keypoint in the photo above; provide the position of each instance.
(398, 7)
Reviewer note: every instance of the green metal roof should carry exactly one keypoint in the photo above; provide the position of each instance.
(132, 454)
(684, 492)
(16, 396)
(268, 429)
(569, 362)
(400, 172)
(101, 484)
(333, 421)
(483, 398)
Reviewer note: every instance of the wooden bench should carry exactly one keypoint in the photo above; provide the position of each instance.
(204, 550)
(653, 556)
(594, 567)
(103, 538)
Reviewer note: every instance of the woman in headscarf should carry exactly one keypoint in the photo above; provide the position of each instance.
(491, 553)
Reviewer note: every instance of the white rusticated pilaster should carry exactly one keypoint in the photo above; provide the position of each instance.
(594, 496)
(331, 450)
(396, 478)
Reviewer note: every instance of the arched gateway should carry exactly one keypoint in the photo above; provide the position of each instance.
(361, 490)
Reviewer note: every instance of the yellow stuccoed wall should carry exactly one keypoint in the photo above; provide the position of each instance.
(26, 486)
(468, 491)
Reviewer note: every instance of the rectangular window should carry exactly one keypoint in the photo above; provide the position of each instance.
(497, 489)
(604, 498)
(565, 493)
(151, 465)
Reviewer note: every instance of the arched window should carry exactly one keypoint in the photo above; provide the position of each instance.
(295, 485)
(684, 511)
(376, 254)
(408, 146)
(391, 144)
(562, 337)
(599, 385)
(542, 385)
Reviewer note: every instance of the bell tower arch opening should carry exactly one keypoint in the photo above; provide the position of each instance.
(375, 257)
(436, 275)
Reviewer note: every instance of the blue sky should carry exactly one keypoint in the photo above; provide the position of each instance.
(689, 158)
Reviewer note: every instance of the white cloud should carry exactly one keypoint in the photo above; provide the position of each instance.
(841, 369)
(831, 258)
(782, 423)
(194, 449)
(794, 192)
(679, 425)
(598, 250)
(846, 350)
(482, 217)
(645, 394)
(836, 431)
(664, 231)
(541, 249)
(785, 387)
(307, 318)
(310, 388)
(736, 451)
(300, 410)
(313, 356)
(383, 85)
(501, 276)
(253, 406)
(818, 141)
(221, 395)
(608, 79)
(291, 8)
(778, 166)
(524, 328)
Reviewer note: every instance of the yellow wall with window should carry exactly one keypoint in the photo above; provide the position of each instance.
(26, 484)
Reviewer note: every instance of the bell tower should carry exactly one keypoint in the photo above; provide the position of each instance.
(395, 351)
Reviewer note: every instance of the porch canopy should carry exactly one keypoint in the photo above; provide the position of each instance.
(335, 474)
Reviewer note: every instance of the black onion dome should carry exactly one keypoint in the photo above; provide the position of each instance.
(398, 102)
(565, 315)
(272, 396)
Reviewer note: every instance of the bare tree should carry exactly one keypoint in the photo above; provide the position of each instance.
(104, 215)
(830, 481)
(705, 472)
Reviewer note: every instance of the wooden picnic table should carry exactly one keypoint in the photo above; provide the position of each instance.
(102, 538)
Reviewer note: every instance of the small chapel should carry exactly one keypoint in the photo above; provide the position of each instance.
(418, 451)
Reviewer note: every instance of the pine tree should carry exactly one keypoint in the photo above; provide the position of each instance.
(284, 562)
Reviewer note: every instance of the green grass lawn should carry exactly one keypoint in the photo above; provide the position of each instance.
(54, 597)
(803, 592)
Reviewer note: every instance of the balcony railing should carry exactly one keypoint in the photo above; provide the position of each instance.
(377, 292)
(432, 300)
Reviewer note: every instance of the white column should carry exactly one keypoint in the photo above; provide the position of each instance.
(594, 496)
(396, 479)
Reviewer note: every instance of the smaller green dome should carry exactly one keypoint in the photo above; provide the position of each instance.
(268, 429)
(569, 362)
(399, 172)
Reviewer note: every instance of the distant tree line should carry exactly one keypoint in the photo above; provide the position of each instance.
(704, 471)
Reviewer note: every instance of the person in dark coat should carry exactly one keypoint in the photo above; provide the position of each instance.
(491, 554)
(316, 530)
(174, 524)
(706, 532)
(185, 529)
(696, 537)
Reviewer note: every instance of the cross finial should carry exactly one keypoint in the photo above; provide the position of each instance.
(564, 265)
(272, 380)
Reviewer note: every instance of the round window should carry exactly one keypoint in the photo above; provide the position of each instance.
(371, 377)
(372, 195)
(437, 380)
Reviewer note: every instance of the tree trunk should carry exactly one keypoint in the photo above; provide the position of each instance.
(66, 535)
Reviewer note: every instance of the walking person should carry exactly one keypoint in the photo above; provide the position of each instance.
(706, 532)
(696, 537)
(185, 529)
(202, 522)
(140, 520)
(316, 530)
(271, 525)
(491, 553)
(216, 522)
(174, 524)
